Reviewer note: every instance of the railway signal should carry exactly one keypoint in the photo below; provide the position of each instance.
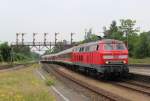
(22, 38)
(71, 37)
(17, 38)
(45, 34)
(56, 38)
(34, 34)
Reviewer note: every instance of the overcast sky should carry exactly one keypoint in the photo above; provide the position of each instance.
(66, 16)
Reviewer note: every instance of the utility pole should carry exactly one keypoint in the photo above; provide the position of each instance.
(56, 38)
(72, 38)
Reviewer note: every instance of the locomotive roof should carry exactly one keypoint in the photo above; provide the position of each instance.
(100, 41)
(66, 51)
(110, 41)
(87, 44)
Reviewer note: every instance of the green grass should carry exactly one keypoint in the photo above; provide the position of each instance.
(23, 85)
(139, 61)
(50, 82)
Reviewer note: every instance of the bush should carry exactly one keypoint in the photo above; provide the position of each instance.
(142, 48)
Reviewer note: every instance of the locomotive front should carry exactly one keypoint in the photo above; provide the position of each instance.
(114, 57)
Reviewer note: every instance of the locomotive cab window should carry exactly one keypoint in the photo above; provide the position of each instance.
(116, 46)
(108, 46)
(120, 46)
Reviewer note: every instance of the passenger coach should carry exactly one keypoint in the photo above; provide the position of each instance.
(104, 57)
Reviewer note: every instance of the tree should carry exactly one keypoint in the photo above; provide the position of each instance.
(148, 42)
(92, 38)
(141, 49)
(5, 52)
(22, 49)
(88, 33)
(127, 28)
(113, 32)
(113, 27)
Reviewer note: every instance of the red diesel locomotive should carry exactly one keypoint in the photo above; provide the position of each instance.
(104, 57)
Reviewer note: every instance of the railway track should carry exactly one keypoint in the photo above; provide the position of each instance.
(127, 85)
(107, 96)
(14, 66)
(139, 65)
(134, 85)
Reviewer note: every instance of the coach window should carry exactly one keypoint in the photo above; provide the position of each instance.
(90, 48)
(87, 48)
(76, 49)
(82, 49)
(79, 49)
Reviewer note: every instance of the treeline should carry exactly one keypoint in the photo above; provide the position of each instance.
(137, 42)
(20, 53)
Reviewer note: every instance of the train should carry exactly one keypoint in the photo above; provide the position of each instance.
(104, 58)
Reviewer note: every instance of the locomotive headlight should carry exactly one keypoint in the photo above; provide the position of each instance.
(123, 56)
(107, 62)
(124, 62)
(108, 57)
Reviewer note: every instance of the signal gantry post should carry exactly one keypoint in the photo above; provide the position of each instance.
(17, 38)
(72, 38)
(56, 38)
(34, 38)
(22, 38)
(45, 34)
